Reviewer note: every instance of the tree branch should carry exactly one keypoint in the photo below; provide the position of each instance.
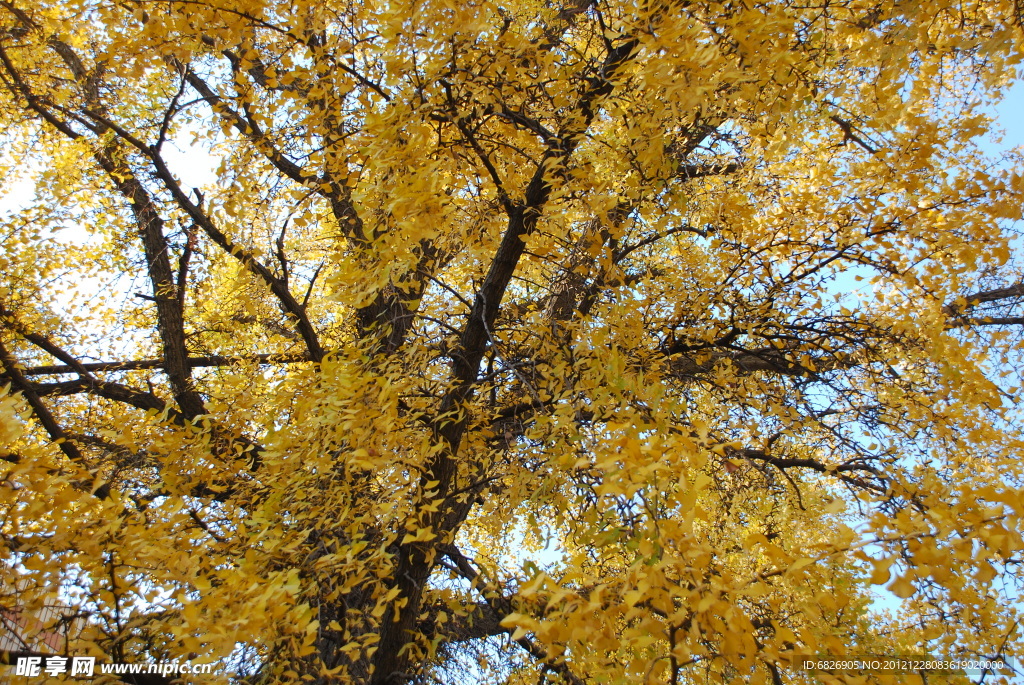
(140, 364)
(502, 607)
(449, 424)
(974, 299)
(43, 415)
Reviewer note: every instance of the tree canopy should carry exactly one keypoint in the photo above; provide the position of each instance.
(510, 341)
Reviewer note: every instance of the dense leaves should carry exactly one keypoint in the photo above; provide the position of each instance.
(430, 341)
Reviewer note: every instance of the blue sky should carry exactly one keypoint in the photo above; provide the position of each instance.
(1010, 117)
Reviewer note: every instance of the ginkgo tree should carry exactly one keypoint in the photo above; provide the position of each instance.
(580, 341)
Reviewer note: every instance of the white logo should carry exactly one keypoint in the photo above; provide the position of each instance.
(83, 665)
(55, 665)
(28, 665)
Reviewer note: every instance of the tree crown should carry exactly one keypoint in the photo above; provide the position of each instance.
(582, 342)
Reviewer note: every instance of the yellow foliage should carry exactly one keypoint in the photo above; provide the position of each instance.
(384, 342)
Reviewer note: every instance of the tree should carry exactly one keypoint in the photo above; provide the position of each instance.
(512, 341)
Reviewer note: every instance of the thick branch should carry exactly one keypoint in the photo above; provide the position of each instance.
(416, 559)
(149, 224)
(983, 296)
(194, 362)
(43, 415)
(203, 220)
(501, 607)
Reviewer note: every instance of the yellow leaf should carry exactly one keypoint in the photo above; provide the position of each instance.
(902, 587)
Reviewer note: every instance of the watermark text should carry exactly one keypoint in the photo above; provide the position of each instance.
(87, 667)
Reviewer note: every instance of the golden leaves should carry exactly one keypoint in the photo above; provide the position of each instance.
(684, 447)
(12, 417)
